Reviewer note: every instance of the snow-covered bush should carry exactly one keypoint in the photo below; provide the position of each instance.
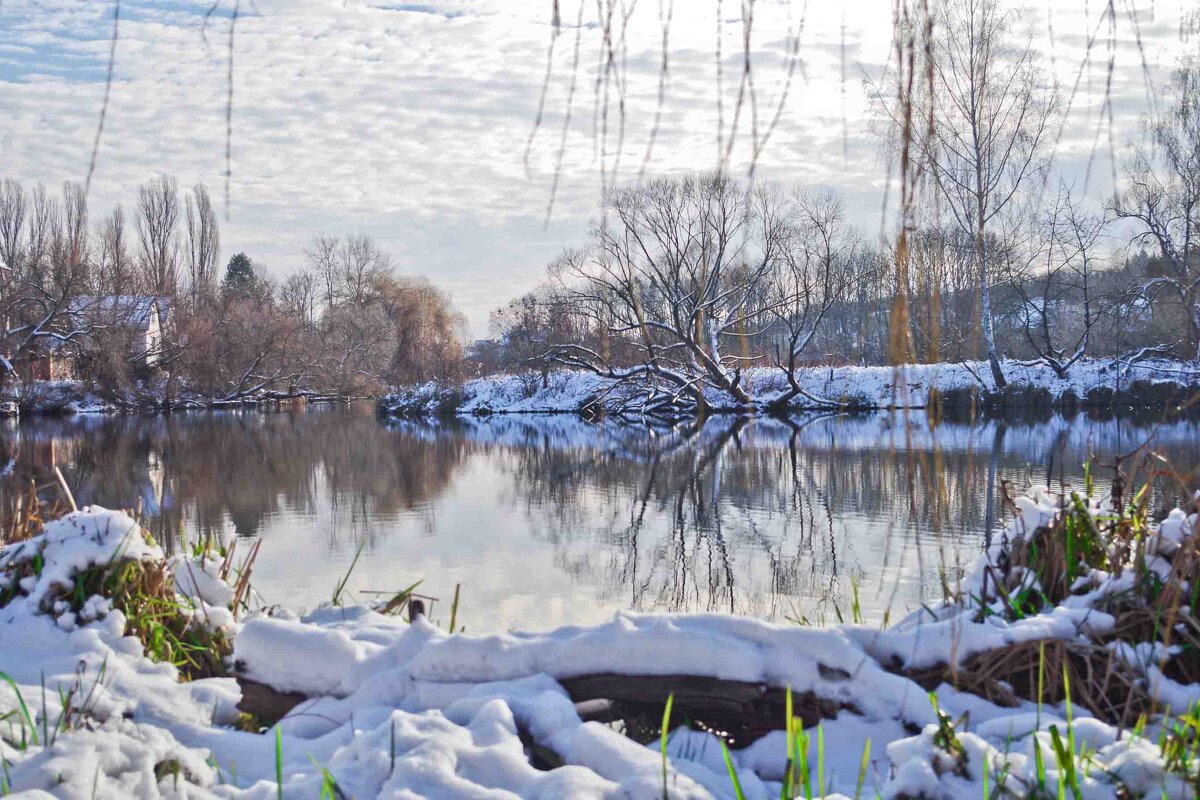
(93, 561)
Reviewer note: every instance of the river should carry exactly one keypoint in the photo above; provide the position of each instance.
(550, 520)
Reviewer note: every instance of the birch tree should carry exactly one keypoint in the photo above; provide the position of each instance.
(991, 108)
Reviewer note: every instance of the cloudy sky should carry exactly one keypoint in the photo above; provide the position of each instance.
(410, 121)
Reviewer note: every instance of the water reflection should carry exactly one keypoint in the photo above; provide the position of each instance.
(546, 520)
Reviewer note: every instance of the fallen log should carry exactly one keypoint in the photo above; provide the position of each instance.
(265, 704)
(737, 710)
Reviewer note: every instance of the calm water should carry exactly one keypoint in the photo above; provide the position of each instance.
(551, 520)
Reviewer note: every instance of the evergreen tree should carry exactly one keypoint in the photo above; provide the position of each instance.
(240, 280)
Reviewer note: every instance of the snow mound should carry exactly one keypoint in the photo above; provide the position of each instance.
(69, 546)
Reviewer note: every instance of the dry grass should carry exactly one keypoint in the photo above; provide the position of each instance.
(28, 514)
(1099, 681)
(1063, 557)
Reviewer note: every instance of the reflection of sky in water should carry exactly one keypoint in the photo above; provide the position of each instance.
(551, 520)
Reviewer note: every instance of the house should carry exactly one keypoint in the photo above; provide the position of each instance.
(144, 319)
(50, 366)
(138, 322)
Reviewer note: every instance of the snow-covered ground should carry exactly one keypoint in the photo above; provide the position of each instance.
(78, 397)
(407, 710)
(876, 387)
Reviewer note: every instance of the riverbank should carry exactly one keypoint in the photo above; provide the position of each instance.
(1092, 383)
(1047, 665)
(44, 398)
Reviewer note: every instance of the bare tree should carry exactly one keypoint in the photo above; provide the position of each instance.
(426, 331)
(12, 224)
(942, 277)
(1160, 196)
(299, 295)
(362, 265)
(990, 108)
(542, 320)
(817, 263)
(677, 270)
(158, 239)
(204, 243)
(38, 315)
(75, 239)
(115, 269)
(45, 221)
(1055, 288)
(257, 349)
(322, 257)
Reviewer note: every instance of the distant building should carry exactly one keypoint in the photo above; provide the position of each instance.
(142, 320)
(145, 318)
(48, 366)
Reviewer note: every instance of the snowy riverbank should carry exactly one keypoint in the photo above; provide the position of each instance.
(76, 397)
(1100, 383)
(388, 708)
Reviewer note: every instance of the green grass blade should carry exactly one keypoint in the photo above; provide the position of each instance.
(28, 720)
(341, 587)
(862, 769)
(789, 776)
(821, 759)
(278, 764)
(1039, 766)
(666, 729)
(329, 785)
(733, 776)
(393, 748)
(454, 609)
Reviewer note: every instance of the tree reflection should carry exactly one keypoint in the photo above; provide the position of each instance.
(221, 473)
(779, 517)
(768, 517)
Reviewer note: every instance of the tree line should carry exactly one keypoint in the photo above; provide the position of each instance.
(687, 282)
(78, 292)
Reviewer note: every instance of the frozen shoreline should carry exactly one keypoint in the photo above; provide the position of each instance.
(1093, 383)
(64, 398)
(409, 710)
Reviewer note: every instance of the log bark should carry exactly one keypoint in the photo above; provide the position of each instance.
(739, 710)
(265, 704)
(744, 711)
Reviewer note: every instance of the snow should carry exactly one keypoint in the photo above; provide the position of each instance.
(407, 710)
(907, 386)
(713, 646)
(75, 397)
(71, 545)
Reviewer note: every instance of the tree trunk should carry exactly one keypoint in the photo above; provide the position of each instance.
(1193, 301)
(985, 305)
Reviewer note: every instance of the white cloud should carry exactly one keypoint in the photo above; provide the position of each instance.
(410, 120)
